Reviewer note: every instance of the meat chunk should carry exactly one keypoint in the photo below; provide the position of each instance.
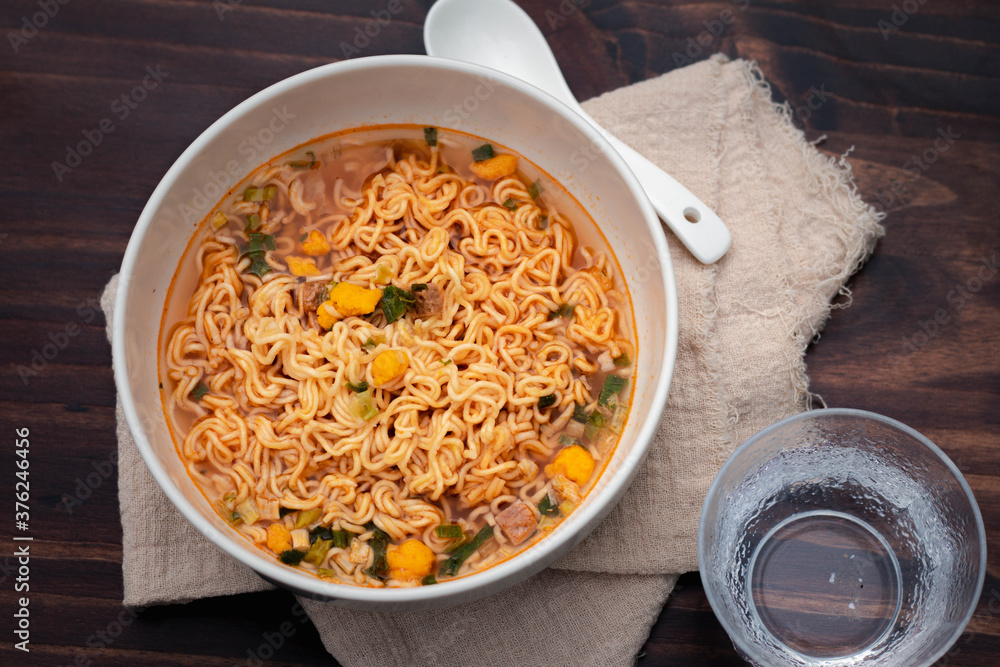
(430, 301)
(517, 522)
(309, 300)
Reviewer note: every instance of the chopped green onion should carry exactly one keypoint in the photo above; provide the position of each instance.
(317, 551)
(199, 390)
(449, 530)
(256, 242)
(379, 542)
(327, 573)
(292, 556)
(219, 220)
(609, 393)
(284, 511)
(566, 441)
(307, 517)
(364, 406)
(622, 361)
(342, 538)
(302, 164)
(543, 222)
(248, 511)
(453, 564)
(270, 192)
(445, 362)
(594, 424)
(253, 222)
(534, 190)
(269, 242)
(253, 193)
(369, 343)
(418, 287)
(510, 203)
(359, 387)
(484, 152)
(431, 136)
(303, 238)
(429, 580)
(548, 508)
(546, 401)
(259, 267)
(395, 302)
(580, 413)
(319, 533)
(565, 310)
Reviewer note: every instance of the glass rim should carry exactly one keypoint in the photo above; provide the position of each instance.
(750, 650)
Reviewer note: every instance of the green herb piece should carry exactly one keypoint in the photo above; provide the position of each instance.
(270, 192)
(320, 533)
(253, 193)
(199, 390)
(431, 136)
(534, 190)
(259, 267)
(303, 238)
(445, 362)
(253, 222)
(368, 343)
(364, 405)
(302, 164)
(269, 242)
(566, 441)
(359, 387)
(453, 564)
(543, 222)
(327, 573)
(448, 530)
(546, 401)
(317, 552)
(622, 361)
(284, 511)
(548, 508)
(484, 152)
(609, 393)
(429, 580)
(418, 287)
(379, 542)
(594, 424)
(395, 302)
(342, 538)
(565, 310)
(510, 203)
(307, 517)
(580, 414)
(292, 556)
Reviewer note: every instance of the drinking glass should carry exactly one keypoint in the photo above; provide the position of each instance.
(841, 537)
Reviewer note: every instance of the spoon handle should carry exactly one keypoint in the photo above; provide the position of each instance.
(696, 225)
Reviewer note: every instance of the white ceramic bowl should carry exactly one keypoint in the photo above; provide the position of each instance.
(374, 91)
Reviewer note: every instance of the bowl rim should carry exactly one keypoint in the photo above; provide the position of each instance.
(448, 592)
(714, 598)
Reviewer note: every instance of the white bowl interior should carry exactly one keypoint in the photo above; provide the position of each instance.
(376, 91)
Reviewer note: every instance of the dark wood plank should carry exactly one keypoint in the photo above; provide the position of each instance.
(885, 93)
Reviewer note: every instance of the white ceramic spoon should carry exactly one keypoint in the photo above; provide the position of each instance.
(500, 35)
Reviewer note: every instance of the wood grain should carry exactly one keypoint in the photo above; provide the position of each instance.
(886, 95)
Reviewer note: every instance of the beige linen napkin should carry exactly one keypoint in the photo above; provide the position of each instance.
(799, 230)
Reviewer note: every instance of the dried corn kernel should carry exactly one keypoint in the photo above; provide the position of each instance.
(350, 299)
(496, 167)
(388, 366)
(410, 560)
(302, 266)
(574, 462)
(278, 538)
(315, 244)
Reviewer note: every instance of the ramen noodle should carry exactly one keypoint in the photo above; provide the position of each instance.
(397, 356)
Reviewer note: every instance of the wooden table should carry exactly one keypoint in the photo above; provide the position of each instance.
(139, 80)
